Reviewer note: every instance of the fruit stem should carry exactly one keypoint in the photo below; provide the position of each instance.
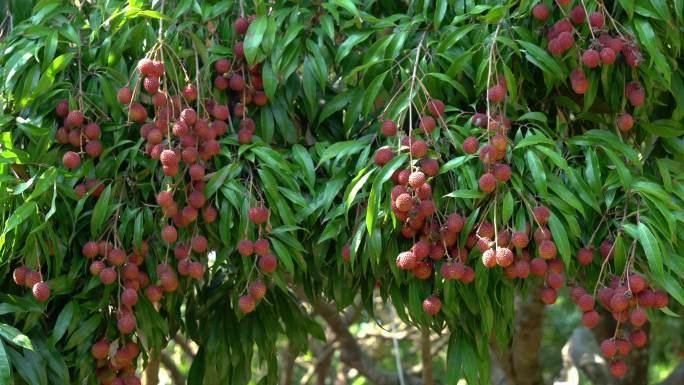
(410, 108)
(586, 16)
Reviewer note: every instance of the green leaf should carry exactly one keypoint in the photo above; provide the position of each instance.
(650, 245)
(84, 331)
(440, 11)
(665, 128)
(348, 5)
(4, 365)
(466, 194)
(255, 33)
(454, 163)
(560, 238)
(541, 58)
(19, 215)
(352, 40)
(63, 321)
(15, 336)
(537, 171)
(218, 178)
(100, 212)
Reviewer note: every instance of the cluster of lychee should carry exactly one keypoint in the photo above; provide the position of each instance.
(626, 300)
(245, 81)
(116, 364)
(77, 133)
(24, 276)
(601, 50)
(267, 262)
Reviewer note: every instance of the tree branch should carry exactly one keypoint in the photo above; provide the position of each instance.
(426, 357)
(581, 352)
(176, 375)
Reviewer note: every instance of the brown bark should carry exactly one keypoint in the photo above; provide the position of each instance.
(520, 361)
(352, 354)
(185, 347)
(289, 356)
(151, 375)
(176, 375)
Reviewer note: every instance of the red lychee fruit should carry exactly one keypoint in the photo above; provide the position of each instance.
(520, 239)
(637, 97)
(577, 14)
(470, 145)
(146, 67)
(245, 247)
(540, 12)
(455, 223)
(637, 283)
(108, 275)
(137, 113)
(608, 348)
(196, 270)
(268, 263)
(496, 93)
(625, 122)
(638, 317)
(196, 199)
(502, 173)
(549, 296)
(607, 55)
(383, 156)
(479, 120)
(596, 20)
(618, 302)
(419, 149)
(646, 298)
(116, 257)
(590, 319)
(404, 202)
(580, 84)
(126, 323)
(71, 160)
(591, 58)
(199, 243)
(93, 148)
(96, 267)
(169, 158)
(416, 179)
(220, 82)
(586, 302)
(41, 291)
(246, 304)
(257, 289)
(487, 154)
(421, 249)
(154, 293)
(489, 258)
(241, 25)
(100, 350)
(429, 166)
(432, 305)
(190, 92)
(538, 267)
(262, 247)
(92, 131)
(258, 215)
(427, 124)
(62, 108)
(388, 128)
(487, 183)
(90, 249)
(606, 249)
(151, 84)
(618, 368)
(129, 297)
(169, 234)
(541, 214)
(504, 256)
(436, 107)
(555, 280)
(74, 119)
(661, 299)
(638, 338)
(124, 95)
(585, 256)
(406, 260)
(236, 83)
(169, 281)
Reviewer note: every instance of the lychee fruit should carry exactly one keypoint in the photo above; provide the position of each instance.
(258, 215)
(154, 293)
(129, 297)
(504, 256)
(470, 145)
(590, 319)
(607, 55)
(41, 291)
(169, 234)
(236, 83)
(487, 154)
(489, 258)
(427, 124)
(199, 243)
(618, 368)
(126, 323)
(406, 260)
(100, 350)
(496, 93)
(257, 289)
(416, 179)
(487, 183)
(383, 156)
(107, 275)
(591, 58)
(541, 214)
(388, 128)
(151, 84)
(246, 304)
(540, 12)
(549, 296)
(71, 160)
(608, 348)
(93, 148)
(419, 149)
(268, 263)
(577, 14)
(62, 108)
(538, 267)
(262, 247)
(625, 122)
(596, 20)
(432, 305)
(638, 338)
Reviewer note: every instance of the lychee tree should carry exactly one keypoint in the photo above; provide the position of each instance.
(201, 167)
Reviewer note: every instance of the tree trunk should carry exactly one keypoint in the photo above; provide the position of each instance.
(151, 374)
(426, 357)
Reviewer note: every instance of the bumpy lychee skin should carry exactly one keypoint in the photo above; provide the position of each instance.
(618, 302)
(608, 348)
(455, 223)
(638, 338)
(496, 93)
(618, 368)
(169, 234)
(74, 119)
(93, 148)
(502, 173)
(596, 20)
(637, 96)
(555, 280)
(432, 305)
(129, 297)
(590, 319)
(504, 256)
(388, 128)
(404, 202)
(71, 160)
(246, 304)
(427, 124)
(585, 256)
(591, 58)
(199, 243)
(470, 145)
(245, 247)
(416, 179)
(586, 302)
(241, 25)
(257, 289)
(436, 107)
(62, 108)
(489, 258)
(429, 166)
(151, 84)
(541, 214)
(520, 239)
(487, 154)
(406, 260)
(126, 323)
(625, 122)
(540, 12)
(169, 158)
(268, 263)
(100, 350)
(661, 299)
(419, 149)
(607, 55)
(577, 14)
(383, 156)
(606, 249)
(549, 296)
(124, 95)
(107, 275)
(258, 215)
(487, 183)
(41, 291)
(154, 293)
(638, 317)
(421, 249)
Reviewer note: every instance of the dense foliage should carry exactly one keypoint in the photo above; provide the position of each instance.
(400, 149)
